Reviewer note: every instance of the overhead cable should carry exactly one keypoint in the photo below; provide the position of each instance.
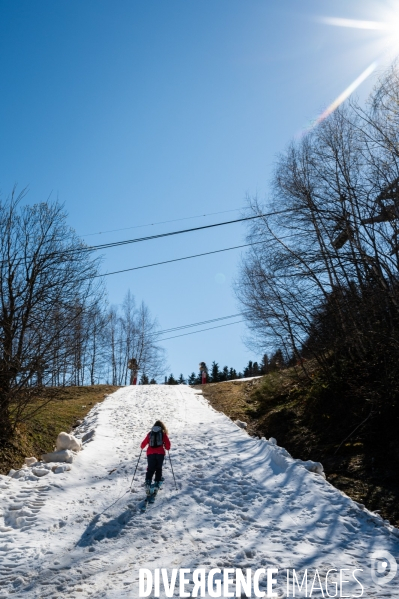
(115, 272)
(208, 329)
(235, 247)
(105, 246)
(162, 222)
(196, 324)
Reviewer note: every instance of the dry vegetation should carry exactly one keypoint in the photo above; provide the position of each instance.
(39, 434)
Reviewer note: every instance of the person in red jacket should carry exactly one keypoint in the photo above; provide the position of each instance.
(157, 440)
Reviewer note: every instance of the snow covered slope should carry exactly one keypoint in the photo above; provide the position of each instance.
(241, 503)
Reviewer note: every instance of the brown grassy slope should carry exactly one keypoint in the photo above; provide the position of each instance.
(39, 434)
(280, 406)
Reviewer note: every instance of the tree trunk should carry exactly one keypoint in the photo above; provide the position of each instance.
(6, 428)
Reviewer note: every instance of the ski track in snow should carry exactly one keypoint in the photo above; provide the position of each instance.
(242, 503)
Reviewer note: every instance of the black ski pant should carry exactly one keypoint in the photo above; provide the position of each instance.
(155, 461)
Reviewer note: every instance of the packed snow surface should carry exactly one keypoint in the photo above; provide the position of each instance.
(241, 503)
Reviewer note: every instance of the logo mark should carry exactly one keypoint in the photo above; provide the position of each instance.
(383, 567)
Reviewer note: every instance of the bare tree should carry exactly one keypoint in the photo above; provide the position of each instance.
(322, 275)
(47, 284)
(132, 333)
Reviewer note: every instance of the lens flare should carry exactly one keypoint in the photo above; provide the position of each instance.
(388, 27)
(356, 24)
(388, 39)
(340, 99)
(346, 93)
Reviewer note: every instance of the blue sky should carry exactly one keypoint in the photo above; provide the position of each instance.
(135, 112)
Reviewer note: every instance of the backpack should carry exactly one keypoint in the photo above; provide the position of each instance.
(156, 437)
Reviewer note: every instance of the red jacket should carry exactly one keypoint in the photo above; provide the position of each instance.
(161, 450)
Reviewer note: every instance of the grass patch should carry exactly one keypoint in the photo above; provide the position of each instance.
(39, 434)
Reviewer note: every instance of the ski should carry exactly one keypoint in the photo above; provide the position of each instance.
(158, 487)
(153, 492)
(154, 489)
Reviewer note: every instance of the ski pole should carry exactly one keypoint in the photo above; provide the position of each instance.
(172, 470)
(135, 470)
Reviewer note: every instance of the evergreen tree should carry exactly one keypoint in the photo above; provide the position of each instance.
(153, 382)
(255, 369)
(144, 379)
(172, 380)
(192, 379)
(232, 374)
(277, 360)
(182, 380)
(248, 370)
(224, 375)
(215, 372)
(264, 365)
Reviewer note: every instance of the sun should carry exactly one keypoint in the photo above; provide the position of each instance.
(387, 27)
(388, 44)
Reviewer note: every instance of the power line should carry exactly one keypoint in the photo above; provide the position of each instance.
(235, 247)
(208, 329)
(162, 222)
(196, 324)
(105, 246)
(186, 326)
(115, 272)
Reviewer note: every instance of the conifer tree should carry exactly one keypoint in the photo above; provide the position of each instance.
(224, 375)
(215, 372)
(192, 379)
(277, 360)
(232, 374)
(264, 365)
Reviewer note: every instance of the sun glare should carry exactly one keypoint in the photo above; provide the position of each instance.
(355, 24)
(388, 27)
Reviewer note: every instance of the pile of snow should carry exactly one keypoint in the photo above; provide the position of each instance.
(240, 423)
(67, 446)
(247, 378)
(56, 462)
(64, 455)
(65, 441)
(37, 470)
(282, 458)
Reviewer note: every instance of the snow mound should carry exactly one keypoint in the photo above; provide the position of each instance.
(40, 471)
(240, 423)
(61, 469)
(315, 467)
(66, 441)
(64, 455)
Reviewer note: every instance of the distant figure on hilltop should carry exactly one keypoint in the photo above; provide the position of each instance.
(134, 368)
(204, 371)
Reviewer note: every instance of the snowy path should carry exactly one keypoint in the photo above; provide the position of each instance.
(242, 503)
